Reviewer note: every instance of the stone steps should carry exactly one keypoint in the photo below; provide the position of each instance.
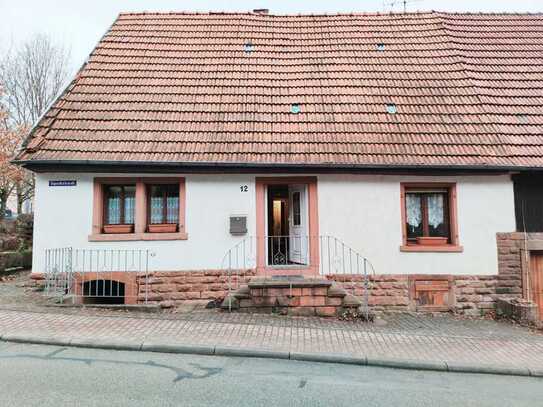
(300, 297)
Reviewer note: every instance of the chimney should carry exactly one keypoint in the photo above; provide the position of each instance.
(262, 11)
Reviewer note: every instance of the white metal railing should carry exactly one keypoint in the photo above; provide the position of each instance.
(335, 258)
(95, 273)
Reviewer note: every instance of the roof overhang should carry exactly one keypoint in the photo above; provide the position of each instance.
(244, 167)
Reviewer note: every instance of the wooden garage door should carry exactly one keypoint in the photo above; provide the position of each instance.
(536, 280)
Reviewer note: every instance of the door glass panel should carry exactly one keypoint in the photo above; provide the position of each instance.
(296, 215)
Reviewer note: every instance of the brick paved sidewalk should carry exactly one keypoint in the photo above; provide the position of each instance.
(404, 336)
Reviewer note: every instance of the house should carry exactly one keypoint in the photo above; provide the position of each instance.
(414, 140)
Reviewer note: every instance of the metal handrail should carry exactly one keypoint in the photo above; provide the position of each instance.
(66, 270)
(335, 258)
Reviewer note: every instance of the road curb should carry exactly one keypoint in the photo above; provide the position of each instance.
(489, 369)
(329, 358)
(177, 348)
(36, 339)
(104, 344)
(150, 346)
(438, 366)
(252, 353)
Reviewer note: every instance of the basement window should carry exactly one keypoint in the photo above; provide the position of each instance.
(295, 108)
(103, 292)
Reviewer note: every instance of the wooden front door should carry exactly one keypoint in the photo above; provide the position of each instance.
(536, 280)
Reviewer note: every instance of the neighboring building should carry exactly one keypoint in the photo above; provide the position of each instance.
(406, 136)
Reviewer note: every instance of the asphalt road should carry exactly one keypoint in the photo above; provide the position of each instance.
(36, 375)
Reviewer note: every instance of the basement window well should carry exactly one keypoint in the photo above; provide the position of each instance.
(103, 292)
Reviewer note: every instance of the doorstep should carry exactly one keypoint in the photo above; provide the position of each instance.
(263, 282)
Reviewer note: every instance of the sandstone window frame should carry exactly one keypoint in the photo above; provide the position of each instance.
(453, 245)
(141, 211)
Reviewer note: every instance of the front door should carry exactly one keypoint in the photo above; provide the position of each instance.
(536, 280)
(298, 224)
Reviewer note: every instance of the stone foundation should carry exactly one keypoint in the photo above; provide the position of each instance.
(511, 261)
(465, 294)
(469, 294)
(172, 288)
(387, 292)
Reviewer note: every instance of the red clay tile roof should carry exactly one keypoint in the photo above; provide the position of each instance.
(218, 88)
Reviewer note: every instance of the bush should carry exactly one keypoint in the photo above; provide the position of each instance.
(24, 229)
(21, 259)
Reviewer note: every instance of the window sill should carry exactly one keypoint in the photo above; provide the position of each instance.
(432, 249)
(123, 237)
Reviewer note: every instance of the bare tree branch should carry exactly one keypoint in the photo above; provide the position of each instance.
(31, 77)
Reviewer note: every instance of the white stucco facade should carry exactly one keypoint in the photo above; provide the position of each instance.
(361, 210)
(365, 211)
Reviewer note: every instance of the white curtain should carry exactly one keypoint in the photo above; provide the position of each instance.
(173, 209)
(435, 210)
(414, 210)
(114, 210)
(156, 209)
(129, 207)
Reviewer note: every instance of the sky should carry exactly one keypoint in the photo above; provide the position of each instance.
(79, 24)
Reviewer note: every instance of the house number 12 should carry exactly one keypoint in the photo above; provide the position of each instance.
(244, 188)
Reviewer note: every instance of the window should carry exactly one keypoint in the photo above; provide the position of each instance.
(119, 208)
(163, 204)
(429, 217)
(427, 214)
(144, 208)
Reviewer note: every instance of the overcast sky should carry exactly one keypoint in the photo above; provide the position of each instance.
(79, 24)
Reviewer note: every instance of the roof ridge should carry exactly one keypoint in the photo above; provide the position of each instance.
(346, 14)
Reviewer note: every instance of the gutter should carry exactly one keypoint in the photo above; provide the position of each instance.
(157, 166)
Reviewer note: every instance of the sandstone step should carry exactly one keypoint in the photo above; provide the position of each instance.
(243, 292)
(350, 301)
(336, 291)
(263, 282)
(230, 303)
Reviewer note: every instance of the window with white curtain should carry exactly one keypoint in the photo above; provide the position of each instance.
(427, 213)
